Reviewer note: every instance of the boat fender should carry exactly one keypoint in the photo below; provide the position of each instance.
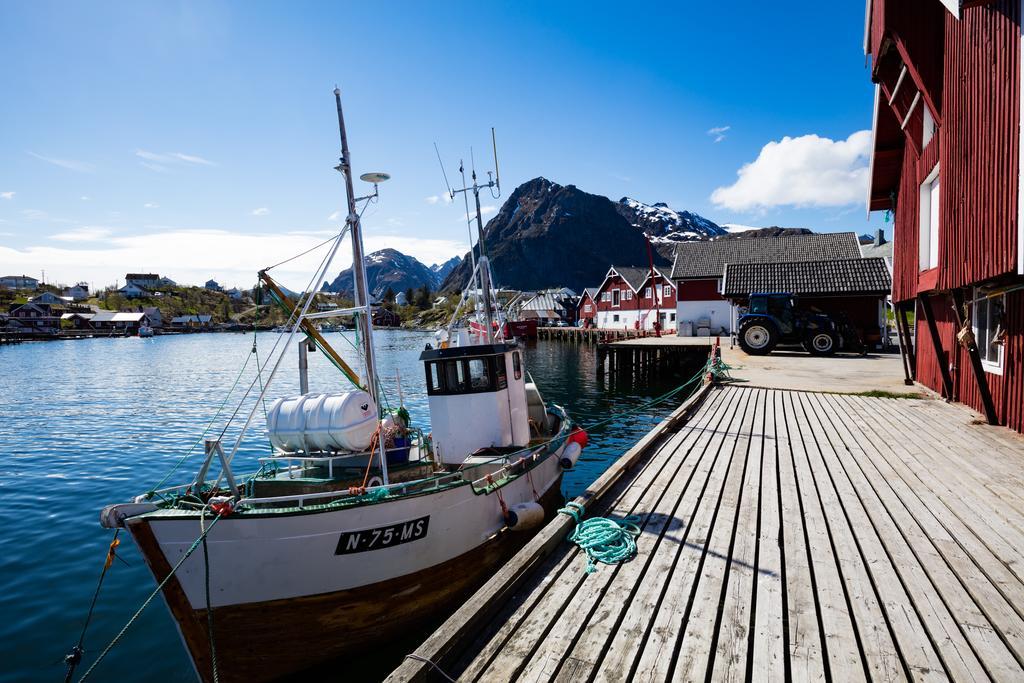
(570, 455)
(524, 516)
(374, 481)
(579, 436)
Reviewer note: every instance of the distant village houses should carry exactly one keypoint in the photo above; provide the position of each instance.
(19, 282)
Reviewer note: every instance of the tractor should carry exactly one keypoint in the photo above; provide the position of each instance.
(774, 319)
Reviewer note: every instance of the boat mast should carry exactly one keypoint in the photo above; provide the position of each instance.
(362, 298)
(485, 266)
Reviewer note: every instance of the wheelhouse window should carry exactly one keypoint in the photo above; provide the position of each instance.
(929, 229)
(467, 375)
(989, 330)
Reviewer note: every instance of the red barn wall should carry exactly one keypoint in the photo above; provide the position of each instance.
(980, 144)
(1007, 389)
(698, 290)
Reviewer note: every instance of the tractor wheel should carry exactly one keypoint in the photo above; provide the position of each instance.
(821, 343)
(758, 337)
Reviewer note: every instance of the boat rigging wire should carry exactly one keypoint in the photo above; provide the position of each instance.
(326, 241)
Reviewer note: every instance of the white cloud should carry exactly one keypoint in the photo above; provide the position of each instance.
(804, 171)
(718, 132)
(70, 164)
(334, 216)
(190, 256)
(192, 159)
(438, 198)
(83, 234)
(84, 198)
(172, 157)
(151, 205)
(154, 167)
(6, 195)
(262, 211)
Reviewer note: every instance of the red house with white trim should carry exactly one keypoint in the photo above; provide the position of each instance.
(946, 162)
(629, 298)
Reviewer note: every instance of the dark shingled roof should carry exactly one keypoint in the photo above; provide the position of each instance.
(708, 259)
(829, 277)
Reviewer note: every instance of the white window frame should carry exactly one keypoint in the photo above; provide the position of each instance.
(647, 292)
(629, 295)
(930, 221)
(606, 296)
(980, 336)
(616, 298)
(666, 291)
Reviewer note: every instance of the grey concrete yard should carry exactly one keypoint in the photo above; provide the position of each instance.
(801, 371)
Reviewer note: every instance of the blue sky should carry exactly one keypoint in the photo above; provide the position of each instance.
(197, 139)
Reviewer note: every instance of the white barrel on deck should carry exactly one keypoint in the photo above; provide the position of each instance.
(322, 422)
(523, 516)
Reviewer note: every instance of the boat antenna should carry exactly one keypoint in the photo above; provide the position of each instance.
(469, 225)
(451, 195)
(485, 268)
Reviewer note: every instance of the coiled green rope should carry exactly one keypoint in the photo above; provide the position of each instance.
(604, 540)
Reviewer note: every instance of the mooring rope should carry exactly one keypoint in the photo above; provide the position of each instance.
(604, 540)
(110, 646)
(75, 656)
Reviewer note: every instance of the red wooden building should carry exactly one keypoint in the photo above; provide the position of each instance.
(946, 162)
(629, 298)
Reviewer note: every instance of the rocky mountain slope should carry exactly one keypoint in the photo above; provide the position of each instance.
(665, 225)
(387, 268)
(441, 270)
(548, 234)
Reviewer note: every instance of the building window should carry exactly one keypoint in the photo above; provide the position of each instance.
(673, 318)
(929, 237)
(666, 291)
(629, 295)
(928, 129)
(989, 330)
(647, 292)
(615, 297)
(587, 308)
(606, 296)
(615, 318)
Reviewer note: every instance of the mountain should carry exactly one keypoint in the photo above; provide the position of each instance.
(387, 268)
(663, 224)
(736, 232)
(441, 270)
(548, 234)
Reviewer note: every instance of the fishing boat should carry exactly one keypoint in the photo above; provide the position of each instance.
(145, 331)
(358, 526)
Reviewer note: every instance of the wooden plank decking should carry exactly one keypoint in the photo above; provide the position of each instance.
(788, 535)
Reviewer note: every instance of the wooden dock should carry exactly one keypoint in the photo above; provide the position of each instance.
(643, 356)
(786, 535)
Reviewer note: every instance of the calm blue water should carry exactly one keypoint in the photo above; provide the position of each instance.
(89, 422)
